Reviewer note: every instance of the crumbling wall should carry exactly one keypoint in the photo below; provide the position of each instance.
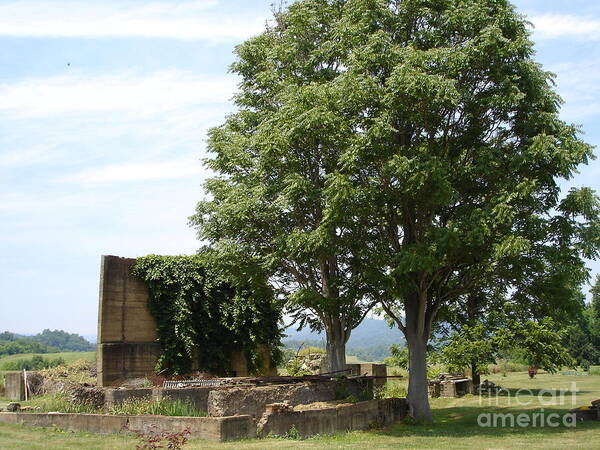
(360, 416)
(252, 400)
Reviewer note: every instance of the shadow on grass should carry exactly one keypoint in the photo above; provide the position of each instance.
(462, 422)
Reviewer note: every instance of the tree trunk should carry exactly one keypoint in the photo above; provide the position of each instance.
(418, 386)
(336, 345)
(475, 376)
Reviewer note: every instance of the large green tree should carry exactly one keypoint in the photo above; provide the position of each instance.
(393, 150)
(276, 199)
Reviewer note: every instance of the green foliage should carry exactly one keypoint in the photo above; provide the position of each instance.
(163, 407)
(399, 357)
(23, 345)
(400, 151)
(536, 343)
(391, 389)
(204, 313)
(37, 362)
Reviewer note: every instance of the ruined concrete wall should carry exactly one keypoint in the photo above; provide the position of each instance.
(371, 370)
(252, 400)
(14, 387)
(127, 339)
(360, 416)
(128, 345)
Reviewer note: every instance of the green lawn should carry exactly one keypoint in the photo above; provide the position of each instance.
(455, 425)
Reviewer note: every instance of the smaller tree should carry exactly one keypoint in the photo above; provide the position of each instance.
(538, 341)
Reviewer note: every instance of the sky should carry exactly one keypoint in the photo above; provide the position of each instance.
(104, 109)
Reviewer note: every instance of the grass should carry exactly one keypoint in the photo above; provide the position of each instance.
(455, 425)
(59, 403)
(67, 356)
(162, 407)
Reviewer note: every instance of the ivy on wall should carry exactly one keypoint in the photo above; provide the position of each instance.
(204, 313)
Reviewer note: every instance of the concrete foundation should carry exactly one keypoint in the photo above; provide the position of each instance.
(252, 400)
(360, 416)
(216, 429)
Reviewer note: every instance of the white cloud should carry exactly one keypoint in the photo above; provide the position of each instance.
(555, 26)
(579, 85)
(136, 171)
(185, 20)
(148, 94)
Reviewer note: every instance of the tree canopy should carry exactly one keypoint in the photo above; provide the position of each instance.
(404, 152)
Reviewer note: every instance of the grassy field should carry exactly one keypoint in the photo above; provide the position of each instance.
(67, 356)
(455, 425)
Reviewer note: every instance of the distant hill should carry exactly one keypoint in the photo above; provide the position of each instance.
(370, 341)
(47, 341)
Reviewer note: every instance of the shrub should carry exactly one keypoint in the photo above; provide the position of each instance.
(508, 366)
(392, 389)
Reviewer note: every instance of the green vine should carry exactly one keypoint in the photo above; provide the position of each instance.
(204, 314)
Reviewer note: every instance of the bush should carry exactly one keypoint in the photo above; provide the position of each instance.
(594, 370)
(37, 362)
(508, 366)
(164, 407)
(392, 389)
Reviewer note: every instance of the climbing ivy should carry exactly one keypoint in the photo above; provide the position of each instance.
(204, 313)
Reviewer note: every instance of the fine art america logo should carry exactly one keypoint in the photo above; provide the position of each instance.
(538, 418)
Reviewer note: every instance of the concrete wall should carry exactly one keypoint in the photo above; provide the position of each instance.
(360, 416)
(127, 338)
(252, 400)
(217, 429)
(14, 387)
(128, 344)
(369, 369)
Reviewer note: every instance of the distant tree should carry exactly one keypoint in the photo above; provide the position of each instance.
(538, 342)
(63, 341)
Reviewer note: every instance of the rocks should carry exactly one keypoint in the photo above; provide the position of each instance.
(88, 395)
(13, 407)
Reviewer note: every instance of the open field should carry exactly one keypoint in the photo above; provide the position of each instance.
(455, 424)
(67, 356)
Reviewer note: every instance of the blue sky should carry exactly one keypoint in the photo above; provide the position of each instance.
(104, 107)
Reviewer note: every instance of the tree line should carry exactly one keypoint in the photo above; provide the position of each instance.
(47, 341)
